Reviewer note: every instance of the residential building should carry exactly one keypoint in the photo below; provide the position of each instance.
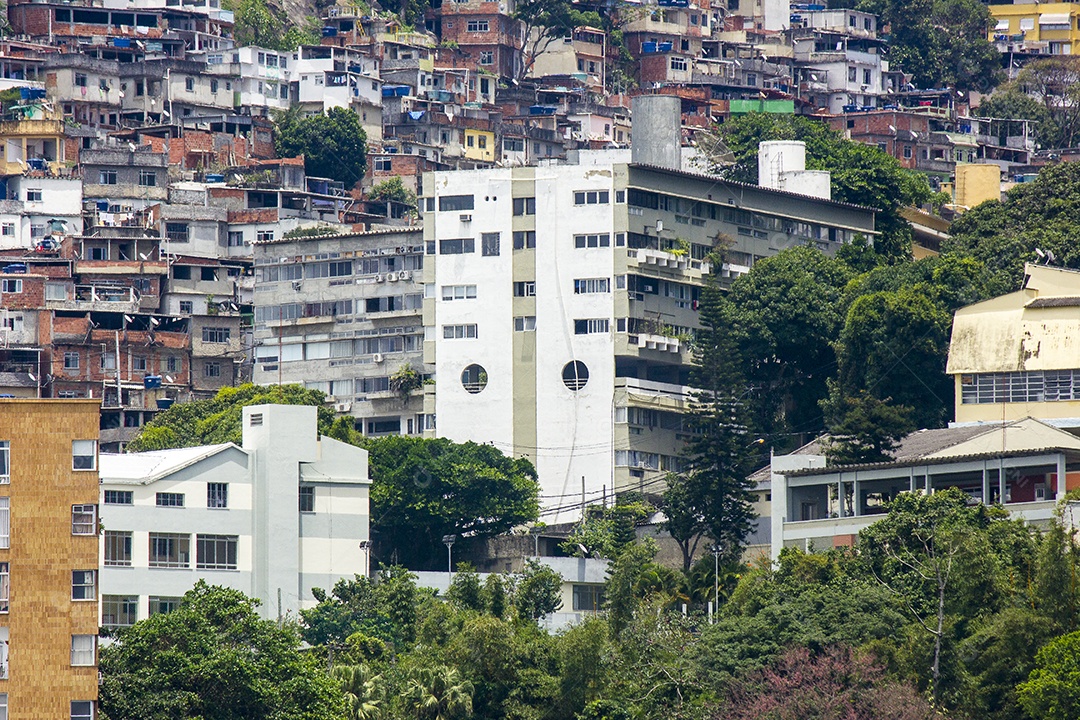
(1025, 465)
(1036, 29)
(840, 60)
(49, 576)
(480, 35)
(588, 276)
(283, 513)
(343, 314)
(1016, 355)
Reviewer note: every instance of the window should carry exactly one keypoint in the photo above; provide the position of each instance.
(489, 244)
(907, 152)
(71, 361)
(217, 495)
(176, 232)
(168, 499)
(80, 710)
(524, 239)
(5, 522)
(525, 323)
(108, 361)
(449, 203)
(147, 178)
(264, 236)
(8, 230)
(215, 552)
(33, 195)
(525, 206)
(236, 238)
(866, 77)
(117, 548)
(525, 288)
(189, 84)
(80, 80)
(383, 164)
(186, 307)
(575, 375)
(591, 197)
(477, 26)
(591, 326)
(119, 610)
(5, 462)
(458, 292)
(138, 363)
(588, 598)
(215, 335)
(118, 497)
(474, 379)
(457, 247)
(678, 63)
(10, 286)
(458, 332)
(160, 604)
(84, 584)
(592, 285)
(307, 498)
(591, 241)
(212, 370)
(170, 550)
(213, 86)
(5, 586)
(84, 454)
(84, 520)
(173, 364)
(106, 177)
(82, 650)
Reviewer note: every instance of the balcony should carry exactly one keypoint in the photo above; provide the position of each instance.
(662, 343)
(98, 298)
(648, 258)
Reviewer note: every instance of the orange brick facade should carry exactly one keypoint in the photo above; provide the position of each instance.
(42, 616)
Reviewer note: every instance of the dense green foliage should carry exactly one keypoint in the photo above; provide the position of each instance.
(422, 489)
(261, 24)
(213, 657)
(1045, 92)
(334, 144)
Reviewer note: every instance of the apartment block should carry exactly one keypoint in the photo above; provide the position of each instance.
(563, 298)
(48, 559)
(284, 512)
(343, 314)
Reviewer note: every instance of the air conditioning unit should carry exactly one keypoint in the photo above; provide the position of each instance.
(391, 277)
(380, 278)
(465, 217)
(297, 285)
(342, 407)
(378, 357)
(402, 250)
(404, 275)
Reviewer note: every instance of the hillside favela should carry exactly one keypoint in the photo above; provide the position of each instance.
(539, 360)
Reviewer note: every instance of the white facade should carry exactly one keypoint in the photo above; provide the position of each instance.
(35, 202)
(285, 512)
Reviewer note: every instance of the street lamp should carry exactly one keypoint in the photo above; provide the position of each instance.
(448, 541)
(365, 545)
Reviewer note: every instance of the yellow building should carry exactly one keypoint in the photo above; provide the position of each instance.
(976, 183)
(31, 136)
(48, 559)
(480, 145)
(1051, 27)
(1018, 355)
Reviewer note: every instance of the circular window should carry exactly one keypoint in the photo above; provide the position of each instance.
(474, 378)
(575, 375)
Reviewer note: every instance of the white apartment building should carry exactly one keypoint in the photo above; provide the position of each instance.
(282, 513)
(560, 302)
(264, 77)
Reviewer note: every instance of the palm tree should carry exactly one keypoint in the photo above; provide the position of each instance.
(438, 693)
(363, 691)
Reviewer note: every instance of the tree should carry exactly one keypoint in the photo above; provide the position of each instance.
(867, 430)
(363, 690)
(546, 20)
(834, 683)
(393, 190)
(260, 24)
(894, 344)
(465, 592)
(333, 144)
(1052, 691)
(438, 693)
(537, 591)
(1052, 83)
(717, 458)
(217, 420)
(494, 595)
(423, 489)
(386, 610)
(1010, 104)
(213, 657)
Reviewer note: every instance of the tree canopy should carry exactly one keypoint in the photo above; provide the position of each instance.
(334, 144)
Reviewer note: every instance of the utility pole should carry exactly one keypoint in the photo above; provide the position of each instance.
(716, 577)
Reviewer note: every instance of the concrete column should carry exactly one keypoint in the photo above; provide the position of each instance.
(855, 487)
(1060, 488)
(781, 496)
(985, 485)
(840, 494)
(1001, 482)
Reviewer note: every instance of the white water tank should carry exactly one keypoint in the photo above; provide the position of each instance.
(777, 157)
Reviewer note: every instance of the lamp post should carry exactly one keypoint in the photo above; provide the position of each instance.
(716, 578)
(448, 541)
(365, 545)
